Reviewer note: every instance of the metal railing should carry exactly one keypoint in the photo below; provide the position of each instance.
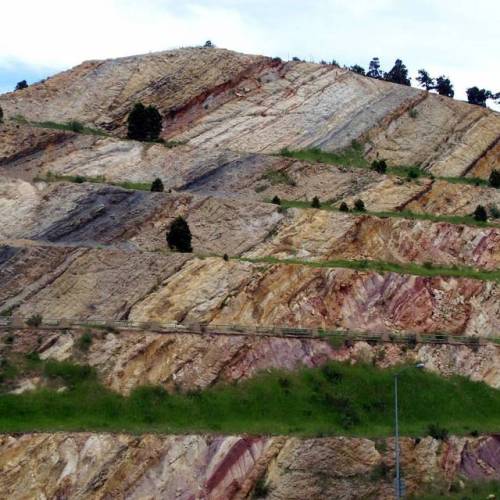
(17, 322)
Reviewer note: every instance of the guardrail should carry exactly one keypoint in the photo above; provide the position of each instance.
(17, 322)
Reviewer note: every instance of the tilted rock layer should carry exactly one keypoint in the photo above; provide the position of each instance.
(95, 250)
(101, 466)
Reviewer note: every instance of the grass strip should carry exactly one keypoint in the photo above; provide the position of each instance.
(79, 179)
(427, 269)
(353, 157)
(336, 399)
(403, 214)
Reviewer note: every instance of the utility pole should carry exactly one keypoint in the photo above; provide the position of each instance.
(399, 482)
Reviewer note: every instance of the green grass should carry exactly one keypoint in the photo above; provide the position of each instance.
(278, 177)
(381, 266)
(337, 399)
(71, 126)
(472, 490)
(404, 214)
(78, 179)
(353, 156)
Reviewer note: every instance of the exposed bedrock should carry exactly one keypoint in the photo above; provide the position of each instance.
(323, 235)
(98, 283)
(218, 99)
(187, 362)
(90, 214)
(91, 466)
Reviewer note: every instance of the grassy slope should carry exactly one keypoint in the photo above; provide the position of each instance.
(353, 157)
(404, 214)
(428, 270)
(336, 399)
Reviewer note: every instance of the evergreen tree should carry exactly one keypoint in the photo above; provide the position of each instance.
(379, 166)
(444, 86)
(359, 205)
(480, 214)
(144, 123)
(1, 114)
(425, 80)
(276, 200)
(179, 236)
(21, 85)
(343, 207)
(315, 202)
(494, 179)
(398, 74)
(478, 96)
(157, 186)
(209, 45)
(374, 70)
(358, 69)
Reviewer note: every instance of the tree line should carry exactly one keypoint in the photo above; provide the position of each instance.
(441, 84)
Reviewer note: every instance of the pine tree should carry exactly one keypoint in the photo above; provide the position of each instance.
(358, 69)
(276, 200)
(398, 74)
(374, 69)
(157, 186)
(21, 85)
(494, 179)
(444, 86)
(480, 214)
(1, 114)
(315, 202)
(359, 205)
(144, 123)
(478, 96)
(179, 236)
(380, 166)
(425, 80)
(343, 207)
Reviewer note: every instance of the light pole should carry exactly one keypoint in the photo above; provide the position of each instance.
(398, 484)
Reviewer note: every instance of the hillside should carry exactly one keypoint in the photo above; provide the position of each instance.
(413, 277)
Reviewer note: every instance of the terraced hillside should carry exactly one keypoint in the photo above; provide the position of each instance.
(82, 238)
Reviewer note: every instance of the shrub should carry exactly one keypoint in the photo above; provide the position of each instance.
(315, 203)
(157, 186)
(85, 341)
(75, 126)
(413, 113)
(72, 374)
(331, 374)
(286, 152)
(261, 489)
(438, 432)
(494, 212)
(35, 320)
(379, 166)
(79, 179)
(208, 45)
(413, 173)
(21, 85)
(380, 472)
(144, 123)
(359, 205)
(343, 207)
(480, 214)
(474, 343)
(494, 179)
(276, 200)
(179, 236)
(226, 257)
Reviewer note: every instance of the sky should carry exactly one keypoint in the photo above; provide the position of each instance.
(457, 38)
